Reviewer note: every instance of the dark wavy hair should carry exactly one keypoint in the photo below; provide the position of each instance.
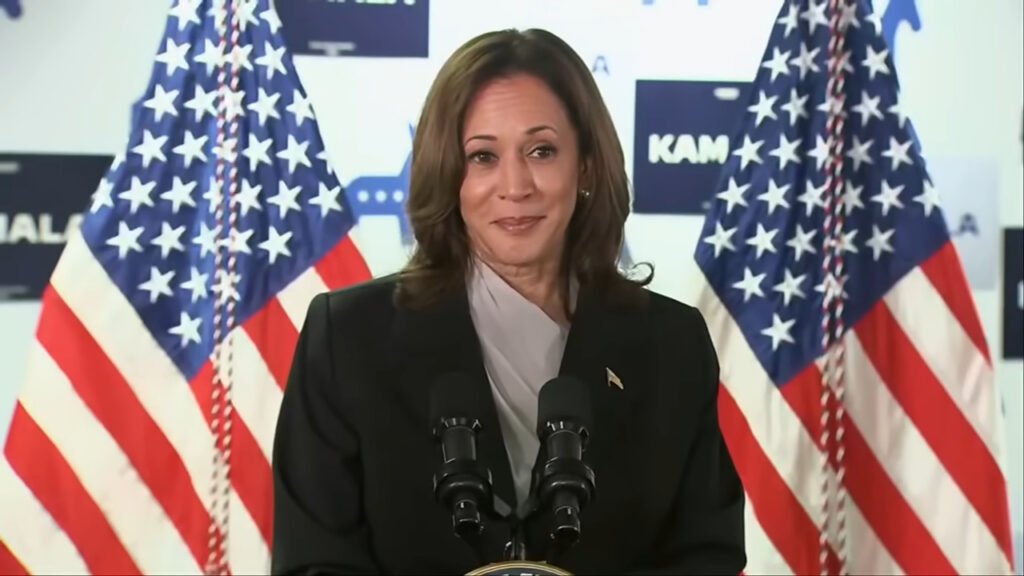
(597, 227)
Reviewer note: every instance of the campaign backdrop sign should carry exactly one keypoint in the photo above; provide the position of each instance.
(968, 189)
(680, 142)
(382, 28)
(42, 197)
(1013, 293)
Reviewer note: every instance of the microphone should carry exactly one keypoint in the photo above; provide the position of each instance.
(566, 484)
(462, 484)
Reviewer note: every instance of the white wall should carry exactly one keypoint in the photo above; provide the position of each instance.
(69, 72)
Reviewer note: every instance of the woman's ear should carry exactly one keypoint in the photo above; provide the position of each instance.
(586, 176)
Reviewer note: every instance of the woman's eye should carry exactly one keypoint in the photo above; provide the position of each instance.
(481, 156)
(544, 151)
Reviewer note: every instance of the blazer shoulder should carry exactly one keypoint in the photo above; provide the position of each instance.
(362, 310)
(371, 297)
(351, 325)
(677, 325)
(674, 315)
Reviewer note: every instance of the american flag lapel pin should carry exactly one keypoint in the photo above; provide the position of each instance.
(613, 380)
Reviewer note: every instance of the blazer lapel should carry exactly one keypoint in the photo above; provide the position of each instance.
(443, 339)
(603, 350)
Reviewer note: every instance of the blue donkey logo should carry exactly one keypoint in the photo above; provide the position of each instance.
(11, 7)
(383, 195)
(896, 13)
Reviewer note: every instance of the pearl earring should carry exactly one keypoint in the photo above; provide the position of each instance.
(585, 193)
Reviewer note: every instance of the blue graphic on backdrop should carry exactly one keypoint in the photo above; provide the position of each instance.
(384, 195)
(1013, 293)
(969, 188)
(896, 13)
(680, 141)
(356, 28)
(11, 7)
(42, 197)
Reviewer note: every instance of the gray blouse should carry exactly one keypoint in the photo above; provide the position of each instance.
(522, 349)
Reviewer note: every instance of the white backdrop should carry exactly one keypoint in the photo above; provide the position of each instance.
(69, 71)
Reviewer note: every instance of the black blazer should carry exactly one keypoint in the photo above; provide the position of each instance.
(354, 458)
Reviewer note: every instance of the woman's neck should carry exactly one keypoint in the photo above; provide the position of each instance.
(540, 284)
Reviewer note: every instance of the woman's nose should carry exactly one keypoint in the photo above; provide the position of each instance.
(517, 179)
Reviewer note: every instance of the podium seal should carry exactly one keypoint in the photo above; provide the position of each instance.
(519, 568)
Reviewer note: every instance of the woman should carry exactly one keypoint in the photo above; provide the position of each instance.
(518, 199)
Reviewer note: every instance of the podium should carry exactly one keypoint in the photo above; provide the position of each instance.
(519, 568)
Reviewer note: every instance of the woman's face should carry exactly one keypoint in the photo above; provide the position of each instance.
(522, 173)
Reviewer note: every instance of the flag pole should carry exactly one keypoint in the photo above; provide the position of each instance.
(833, 381)
(224, 303)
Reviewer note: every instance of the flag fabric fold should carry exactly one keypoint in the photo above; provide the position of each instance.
(858, 396)
(141, 439)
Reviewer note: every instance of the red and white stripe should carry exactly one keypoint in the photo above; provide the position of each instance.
(926, 490)
(108, 459)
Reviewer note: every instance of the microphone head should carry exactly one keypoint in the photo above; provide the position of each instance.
(456, 395)
(564, 398)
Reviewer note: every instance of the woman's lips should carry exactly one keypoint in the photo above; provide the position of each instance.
(518, 224)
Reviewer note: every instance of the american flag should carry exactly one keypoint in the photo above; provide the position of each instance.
(141, 440)
(858, 397)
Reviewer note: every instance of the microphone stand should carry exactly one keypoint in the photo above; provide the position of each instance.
(515, 548)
